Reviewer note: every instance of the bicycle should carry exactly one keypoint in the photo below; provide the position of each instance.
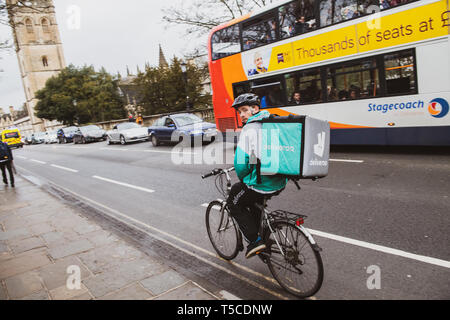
(292, 255)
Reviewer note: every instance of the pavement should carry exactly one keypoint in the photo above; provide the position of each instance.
(50, 251)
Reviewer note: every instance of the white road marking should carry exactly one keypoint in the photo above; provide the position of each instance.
(162, 151)
(345, 160)
(124, 184)
(114, 149)
(38, 161)
(64, 168)
(396, 252)
(20, 157)
(367, 245)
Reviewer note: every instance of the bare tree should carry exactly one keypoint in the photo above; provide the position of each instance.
(200, 16)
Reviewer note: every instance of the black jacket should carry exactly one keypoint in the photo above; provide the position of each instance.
(6, 148)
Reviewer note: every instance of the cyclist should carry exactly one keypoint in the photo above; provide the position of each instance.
(253, 186)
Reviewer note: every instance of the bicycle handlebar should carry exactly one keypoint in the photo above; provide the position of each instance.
(215, 172)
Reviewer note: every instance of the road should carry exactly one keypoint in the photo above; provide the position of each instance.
(379, 210)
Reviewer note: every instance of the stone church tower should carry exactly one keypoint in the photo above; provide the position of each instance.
(39, 49)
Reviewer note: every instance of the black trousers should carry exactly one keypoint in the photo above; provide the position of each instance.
(241, 204)
(3, 167)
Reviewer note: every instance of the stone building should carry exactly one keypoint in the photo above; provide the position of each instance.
(39, 51)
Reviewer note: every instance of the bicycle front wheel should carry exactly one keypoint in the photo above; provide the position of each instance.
(222, 231)
(293, 262)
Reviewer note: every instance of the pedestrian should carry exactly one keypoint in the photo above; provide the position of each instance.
(140, 120)
(131, 118)
(6, 162)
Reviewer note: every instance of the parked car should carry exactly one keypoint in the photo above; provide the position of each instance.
(51, 137)
(124, 133)
(90, 133)
(38, 138)
(65, 135)
(181, 127)
(28, 139)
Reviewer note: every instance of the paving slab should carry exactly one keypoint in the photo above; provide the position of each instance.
(41, 228)
(15, 234)
(39, 295)
(121, 276)
(133, 292)
(108, 256)
(101, 238)
(2, 292)
(63, 293)
(85, 296)
(189, 291)
(3, 247)
(55, 275)
(163, 282)
(23, 284)
(19, 246)
(71, 248)
(23, 263)
(13, 206)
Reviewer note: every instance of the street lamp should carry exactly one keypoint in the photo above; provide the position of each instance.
(184, 70)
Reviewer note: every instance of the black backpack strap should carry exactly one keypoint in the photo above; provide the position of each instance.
(258, 172)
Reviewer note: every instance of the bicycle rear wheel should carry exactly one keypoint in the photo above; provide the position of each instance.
(299, 269)
(222, 231)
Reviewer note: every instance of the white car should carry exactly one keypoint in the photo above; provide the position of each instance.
(127, 132)
(51, 137)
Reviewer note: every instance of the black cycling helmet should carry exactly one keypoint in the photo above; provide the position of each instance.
(246, 99)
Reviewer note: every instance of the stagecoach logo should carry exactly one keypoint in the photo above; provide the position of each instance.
(438, 108)
(280, 57)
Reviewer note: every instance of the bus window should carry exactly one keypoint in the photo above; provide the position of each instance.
(259, 32)
(400, 73)
(353, 80)
(296, 18)
(307, 84)
(225, 42)
(326, 12)
(345, 10)
(270, 92)
(335, 11)
(241, 88)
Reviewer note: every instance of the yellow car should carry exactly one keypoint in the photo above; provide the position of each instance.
(12, 137)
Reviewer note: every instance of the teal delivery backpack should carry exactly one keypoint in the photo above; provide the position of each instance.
(297, 147)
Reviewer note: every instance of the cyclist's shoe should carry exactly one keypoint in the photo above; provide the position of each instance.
(255, 248)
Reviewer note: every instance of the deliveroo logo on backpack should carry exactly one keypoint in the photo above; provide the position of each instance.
(319, 148)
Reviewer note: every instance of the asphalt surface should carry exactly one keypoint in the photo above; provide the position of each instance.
(379, 209)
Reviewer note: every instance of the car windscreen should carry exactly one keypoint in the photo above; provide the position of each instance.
(11, 135)
(188, 119)
(130, 125)
(70, 129)
(89, 128)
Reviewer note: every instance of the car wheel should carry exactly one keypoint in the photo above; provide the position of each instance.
(122, 140)
(83, 140)
(155, 141)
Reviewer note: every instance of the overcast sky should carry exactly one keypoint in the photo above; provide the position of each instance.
(111, 33)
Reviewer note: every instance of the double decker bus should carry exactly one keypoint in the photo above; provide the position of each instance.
(377, 70)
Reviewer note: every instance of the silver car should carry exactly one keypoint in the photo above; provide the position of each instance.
(51, 137)
(127, 132)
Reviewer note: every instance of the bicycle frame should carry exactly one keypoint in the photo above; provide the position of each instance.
(277, 229)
